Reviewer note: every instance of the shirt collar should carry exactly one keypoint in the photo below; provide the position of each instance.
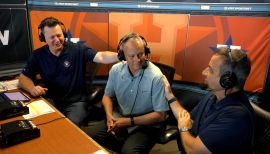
(128, 74)
(229, 99)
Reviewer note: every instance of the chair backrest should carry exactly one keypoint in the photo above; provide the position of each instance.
(167, 70)
(262, 131)
(188, 93)
(90, 73)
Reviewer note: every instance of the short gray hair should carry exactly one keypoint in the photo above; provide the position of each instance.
(237, 62)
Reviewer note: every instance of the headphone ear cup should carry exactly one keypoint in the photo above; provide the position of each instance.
(121, 55)
(228, 80)
(41, 37)
(64, 33)
(64, 30)
(146, 50)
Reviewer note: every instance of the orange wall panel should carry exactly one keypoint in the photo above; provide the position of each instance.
(251, 33)
(165, 34)
(180, 40)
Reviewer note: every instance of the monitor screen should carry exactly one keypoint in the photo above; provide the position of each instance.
(16, 96)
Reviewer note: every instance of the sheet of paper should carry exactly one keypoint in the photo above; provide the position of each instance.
(38, 108)
(9, 85)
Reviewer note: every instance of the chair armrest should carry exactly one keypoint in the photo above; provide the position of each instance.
(96, 94)
(168, 135)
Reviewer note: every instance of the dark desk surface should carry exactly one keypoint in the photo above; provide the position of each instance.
(59, 136)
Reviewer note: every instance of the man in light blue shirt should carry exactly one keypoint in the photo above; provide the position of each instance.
(138, 88)
(138, 94)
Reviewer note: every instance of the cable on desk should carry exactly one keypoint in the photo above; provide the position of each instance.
(50, 121)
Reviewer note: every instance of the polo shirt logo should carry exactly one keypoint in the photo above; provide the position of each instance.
(66, 64)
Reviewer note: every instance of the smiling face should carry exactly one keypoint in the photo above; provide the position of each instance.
(212, 73)
(54, 38)
(134, 54)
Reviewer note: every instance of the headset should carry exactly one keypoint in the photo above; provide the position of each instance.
(133, 105)
(50, 21)
(229, 78)
(121, 55)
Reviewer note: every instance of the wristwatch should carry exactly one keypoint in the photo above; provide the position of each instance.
(172, 100)
(184, 129)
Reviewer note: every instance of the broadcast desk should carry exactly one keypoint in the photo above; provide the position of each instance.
(57, 137)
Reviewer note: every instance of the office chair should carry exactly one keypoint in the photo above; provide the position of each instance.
(167, 70)
(167, 134)
(261, 142)
(91, 69)
(95, 93)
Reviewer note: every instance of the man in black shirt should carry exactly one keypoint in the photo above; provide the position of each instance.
(61, 66)
(223, 121)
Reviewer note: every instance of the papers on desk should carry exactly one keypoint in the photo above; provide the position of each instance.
(9, 85)
(100, 152)
(38, 108)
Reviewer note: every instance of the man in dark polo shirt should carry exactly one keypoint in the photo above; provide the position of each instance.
(61, 66)
(223, 121)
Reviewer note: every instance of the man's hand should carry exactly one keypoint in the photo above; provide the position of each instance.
(38, 91)
(184, 119)
(110, 125)
(117, 123)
